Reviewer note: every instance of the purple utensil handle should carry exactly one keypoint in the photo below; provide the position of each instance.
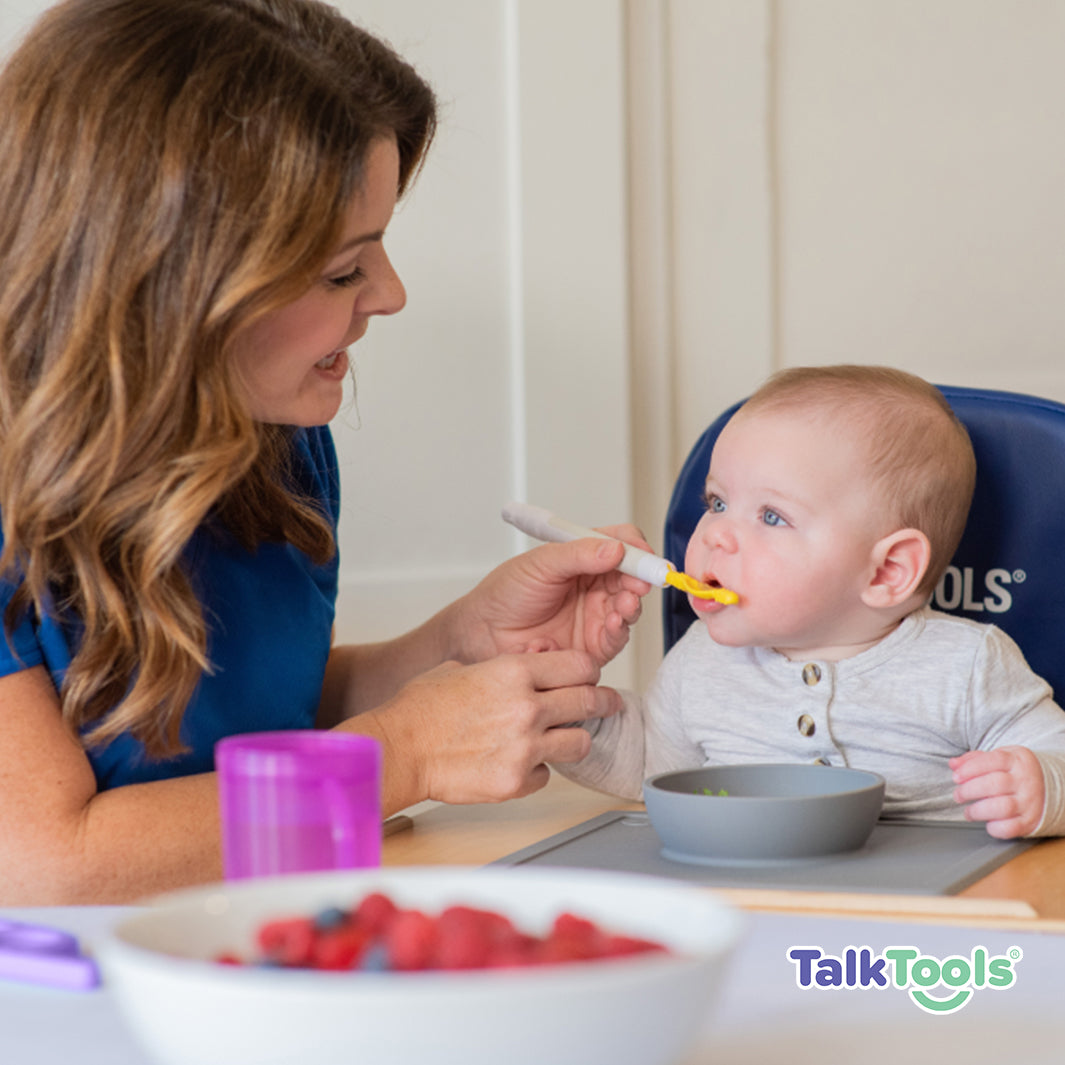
(37, 954)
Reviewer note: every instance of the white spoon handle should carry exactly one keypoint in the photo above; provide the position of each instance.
(542, 524)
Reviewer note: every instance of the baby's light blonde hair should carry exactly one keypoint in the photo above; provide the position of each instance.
(170, 172)
(919, 453)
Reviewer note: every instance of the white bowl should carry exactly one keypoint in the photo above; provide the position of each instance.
(648, 1009)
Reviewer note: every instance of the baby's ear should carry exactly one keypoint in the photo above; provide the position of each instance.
(900, 561)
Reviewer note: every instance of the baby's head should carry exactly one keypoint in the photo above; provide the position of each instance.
(918, 460)
(836, 498)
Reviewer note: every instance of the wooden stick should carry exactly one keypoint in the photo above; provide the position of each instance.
(940, 909)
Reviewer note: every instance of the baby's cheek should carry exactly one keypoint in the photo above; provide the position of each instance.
(693, 556)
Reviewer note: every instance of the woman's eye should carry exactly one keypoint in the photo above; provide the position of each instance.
(715, 504)
(771, 517)
(346, 280)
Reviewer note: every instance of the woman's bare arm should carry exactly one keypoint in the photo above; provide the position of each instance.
(457, 733)
(62, 842)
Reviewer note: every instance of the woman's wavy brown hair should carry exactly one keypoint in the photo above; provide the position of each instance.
(170, 171)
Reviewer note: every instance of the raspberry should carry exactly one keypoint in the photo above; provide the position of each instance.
(515, 951)
(464, 938)
(377, 936)
(411, 940)
(339, 948)
(375, 912)
(288, 941)
(571, 939)
(570, 926)
(617, 946)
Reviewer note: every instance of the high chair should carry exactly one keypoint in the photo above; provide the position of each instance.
(1009, 569)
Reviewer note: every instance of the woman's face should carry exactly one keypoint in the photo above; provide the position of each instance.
(293, 361)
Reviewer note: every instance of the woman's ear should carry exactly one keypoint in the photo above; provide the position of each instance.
(900, 561)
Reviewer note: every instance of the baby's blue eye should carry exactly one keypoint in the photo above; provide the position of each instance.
(771, 517)
(715, 504)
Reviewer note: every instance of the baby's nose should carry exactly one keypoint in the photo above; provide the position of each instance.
(721, 534)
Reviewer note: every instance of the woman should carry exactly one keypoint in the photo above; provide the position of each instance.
(196, 196)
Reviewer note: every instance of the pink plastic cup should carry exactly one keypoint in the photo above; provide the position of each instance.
(298, 801)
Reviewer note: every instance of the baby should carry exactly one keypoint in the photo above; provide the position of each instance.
(835, 499)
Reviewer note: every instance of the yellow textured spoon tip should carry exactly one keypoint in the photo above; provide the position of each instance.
(691, 586)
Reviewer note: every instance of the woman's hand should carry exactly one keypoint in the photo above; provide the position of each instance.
(483, 733)
(554, 597)
(481, 726)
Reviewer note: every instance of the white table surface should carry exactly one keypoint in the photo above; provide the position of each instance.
(761, 1017)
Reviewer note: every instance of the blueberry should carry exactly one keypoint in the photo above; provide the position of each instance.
(330, 918)
(376, 959)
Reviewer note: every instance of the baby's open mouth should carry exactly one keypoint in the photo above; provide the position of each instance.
(719, 593)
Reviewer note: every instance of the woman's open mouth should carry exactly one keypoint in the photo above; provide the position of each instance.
(334, 365)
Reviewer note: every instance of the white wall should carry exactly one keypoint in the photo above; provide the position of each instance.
(506, 377)
(636, 209)
(874, 181)
(507, 374)
(921, 167)
(869, 181)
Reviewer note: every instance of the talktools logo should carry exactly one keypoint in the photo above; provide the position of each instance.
(964, 589)
(937, 985)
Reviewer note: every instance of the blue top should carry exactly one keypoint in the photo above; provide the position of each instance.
(269, 616)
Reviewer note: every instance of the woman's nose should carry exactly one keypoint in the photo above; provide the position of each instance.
(385, 293)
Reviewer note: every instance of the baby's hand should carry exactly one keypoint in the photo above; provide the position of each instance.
(1004, 787)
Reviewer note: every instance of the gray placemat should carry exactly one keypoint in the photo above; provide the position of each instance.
(925, 859)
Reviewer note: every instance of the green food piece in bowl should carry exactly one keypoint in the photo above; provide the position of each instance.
(710, 791)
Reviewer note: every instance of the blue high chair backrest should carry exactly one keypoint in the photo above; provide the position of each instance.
(1009, 569)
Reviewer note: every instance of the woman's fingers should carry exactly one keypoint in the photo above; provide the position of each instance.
(491, 727)
(565, 687)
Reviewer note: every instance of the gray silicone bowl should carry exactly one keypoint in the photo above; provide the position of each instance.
(771, 812)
